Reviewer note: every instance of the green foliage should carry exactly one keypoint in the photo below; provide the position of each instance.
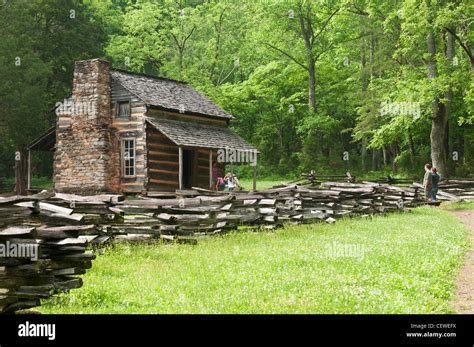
(253, 59)
(40, 42)
(379, 265)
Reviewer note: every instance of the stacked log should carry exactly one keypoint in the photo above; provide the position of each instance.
(395, 180)
(449, 189)
(456, 189)
(197, 212)
(36, 263)
(42, 249)
(61, 225)
(312, 179)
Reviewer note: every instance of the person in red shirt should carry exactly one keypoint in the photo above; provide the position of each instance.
(215, 175)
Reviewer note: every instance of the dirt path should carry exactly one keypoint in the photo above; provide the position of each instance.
(464, 300)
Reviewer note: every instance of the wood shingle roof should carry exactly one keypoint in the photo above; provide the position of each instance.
(168, 94)
(193, 134)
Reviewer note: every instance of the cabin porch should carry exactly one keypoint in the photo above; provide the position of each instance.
(181, 155)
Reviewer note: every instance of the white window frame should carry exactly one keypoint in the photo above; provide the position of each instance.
(125, 161)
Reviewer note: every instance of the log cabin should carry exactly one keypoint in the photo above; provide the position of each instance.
(126, 132)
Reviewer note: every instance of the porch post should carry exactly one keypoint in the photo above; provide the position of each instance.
(180, 173)
(29, 170)
(210, 168)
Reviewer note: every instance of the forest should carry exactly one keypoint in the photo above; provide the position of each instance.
(366, 86)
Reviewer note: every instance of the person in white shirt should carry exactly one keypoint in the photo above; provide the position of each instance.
(229, 179)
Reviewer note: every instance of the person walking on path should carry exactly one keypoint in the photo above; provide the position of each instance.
(427, 181)
(434, 183)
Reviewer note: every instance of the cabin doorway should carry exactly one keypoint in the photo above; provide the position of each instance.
(189, 171)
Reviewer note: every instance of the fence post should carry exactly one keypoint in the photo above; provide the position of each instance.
(29, 171)
(19, 177)
(180, 171)
(210, 168)
(254, 177)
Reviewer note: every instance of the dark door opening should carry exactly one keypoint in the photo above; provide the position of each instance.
(188, 168)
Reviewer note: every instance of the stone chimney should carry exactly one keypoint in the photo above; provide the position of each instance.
(83, 146)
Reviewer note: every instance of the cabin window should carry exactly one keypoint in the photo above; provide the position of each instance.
(128, 157)
(124, 109)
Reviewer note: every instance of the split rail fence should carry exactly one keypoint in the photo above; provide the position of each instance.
(62, 226)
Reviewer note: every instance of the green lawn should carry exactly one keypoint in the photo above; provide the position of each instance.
(402, 263)
(459, 206)
(247, 184)
(36, 182)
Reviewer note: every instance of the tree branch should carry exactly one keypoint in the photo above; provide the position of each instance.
(286, 54)
(187, 37)
(176, 41)
(464, 46)
(325, 24)
(228, 75)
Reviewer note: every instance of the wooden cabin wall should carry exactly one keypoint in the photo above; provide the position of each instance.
(164, 175)
(203, 166)
(186, 117)
(162, 162)
(133, 127)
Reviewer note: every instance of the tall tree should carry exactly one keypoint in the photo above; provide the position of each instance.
(40, 42)
(311, 25)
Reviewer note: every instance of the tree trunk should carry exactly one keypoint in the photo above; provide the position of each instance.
(450, 43)
(311, 84)
(363, 154)
(394, 151)
(374, 159)
(411, 144)
(306, 27)
(384, 153)
(372, 54)
(438, 134)
(218, 27)
(363, 63)
(180, 63)
(365, 84)
(438, 115)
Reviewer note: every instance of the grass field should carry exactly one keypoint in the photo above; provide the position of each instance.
(460, 206)
(247, 184)
(401, 263)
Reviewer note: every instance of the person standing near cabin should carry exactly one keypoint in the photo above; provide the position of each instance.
(220, 185)
(427, 181)
(229, 179)
(434, 183)
(215, 175)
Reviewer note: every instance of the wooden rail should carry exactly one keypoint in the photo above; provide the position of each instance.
(62, 225)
